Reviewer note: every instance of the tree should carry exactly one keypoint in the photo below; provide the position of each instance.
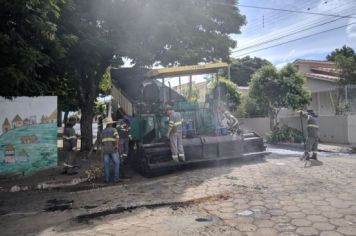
(147, 32)
(29, 46)
(276, 90)
(345, 59)
(242, 69)
(229, 92)
(344, 51)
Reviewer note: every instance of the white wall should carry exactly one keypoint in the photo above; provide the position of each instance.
(317, 85)
(332, 129)
(352, 129)
(259, 125)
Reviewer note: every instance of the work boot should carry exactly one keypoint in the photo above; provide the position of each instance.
(305, 156)
(314, 156)
(182, 158)
(175, 158)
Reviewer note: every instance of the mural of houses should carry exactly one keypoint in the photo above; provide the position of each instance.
(23, 156)
(6, 125)
(26, 121)
(9, 154)
(33, 120)
(53, 117)
(17, 122)
(44, 119)
(29, 139)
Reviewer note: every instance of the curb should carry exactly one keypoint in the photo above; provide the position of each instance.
(337, 149)
(46, 185)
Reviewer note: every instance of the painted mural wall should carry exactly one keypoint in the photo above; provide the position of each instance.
(28, 134)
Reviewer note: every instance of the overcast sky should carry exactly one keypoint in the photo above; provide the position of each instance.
(267, 25)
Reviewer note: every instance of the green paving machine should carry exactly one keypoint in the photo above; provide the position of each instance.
(203, 137)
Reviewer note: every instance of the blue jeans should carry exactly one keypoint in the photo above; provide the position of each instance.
(116, 159)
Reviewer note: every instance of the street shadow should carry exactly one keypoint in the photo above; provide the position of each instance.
(89, 214)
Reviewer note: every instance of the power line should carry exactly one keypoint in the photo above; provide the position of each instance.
(295, 28)
(293, 40)
(270, 18)
(286, 35)
(295, 11)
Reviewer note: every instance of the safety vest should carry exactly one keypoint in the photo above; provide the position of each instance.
(313, 127)
(109, 137)
(175, 122)
(123, 129)
(69, 138)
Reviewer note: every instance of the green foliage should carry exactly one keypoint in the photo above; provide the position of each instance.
(29, 46)
(250, 108)
(105, 83)
(285, 134)
(347, 67)
(242, 69)
(233, 96)
(276, 90)
(99, 108)
(194, 92)
(344, 51)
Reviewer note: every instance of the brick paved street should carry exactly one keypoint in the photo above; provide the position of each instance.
(272, 197)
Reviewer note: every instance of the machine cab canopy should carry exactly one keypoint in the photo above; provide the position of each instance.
(186, 70)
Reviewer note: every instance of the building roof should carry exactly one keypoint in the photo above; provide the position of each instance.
(327, 70)
(17, 118)
(10, 147)
(315, 62)
(6, 122)
(322, 77)
(186, 70)
(53, 115)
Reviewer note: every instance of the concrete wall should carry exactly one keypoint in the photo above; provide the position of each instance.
(258, 125)
(352, 129)
(32, 145)
(316, 85)
(333, 129)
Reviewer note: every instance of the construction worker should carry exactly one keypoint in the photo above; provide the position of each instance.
(124, 132)
(69, 146)
(110, 147)
(313, 135)
(232, 122)
(174, 134)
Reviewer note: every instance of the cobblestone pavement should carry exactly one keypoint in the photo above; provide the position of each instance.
(277, 196)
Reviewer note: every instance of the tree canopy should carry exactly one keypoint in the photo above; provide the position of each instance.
(279, 89)
(231, 95)
(345, 59)
(29, 46)
(344, 51)
(242, 69)
(59, 44)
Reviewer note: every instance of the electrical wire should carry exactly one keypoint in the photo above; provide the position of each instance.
(294, 11)
(284, 36)
(293, 40)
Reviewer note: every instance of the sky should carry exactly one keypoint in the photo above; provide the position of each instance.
(264, 27)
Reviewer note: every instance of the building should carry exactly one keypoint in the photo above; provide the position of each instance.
(6, 126)
(322, 81)
(23, 156)
(9, 157)
(26, 121)
(53, 117)
(17, 122)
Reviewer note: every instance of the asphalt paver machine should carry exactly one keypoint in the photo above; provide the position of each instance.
(204, 139)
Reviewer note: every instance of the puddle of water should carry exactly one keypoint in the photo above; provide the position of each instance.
(245, 213)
